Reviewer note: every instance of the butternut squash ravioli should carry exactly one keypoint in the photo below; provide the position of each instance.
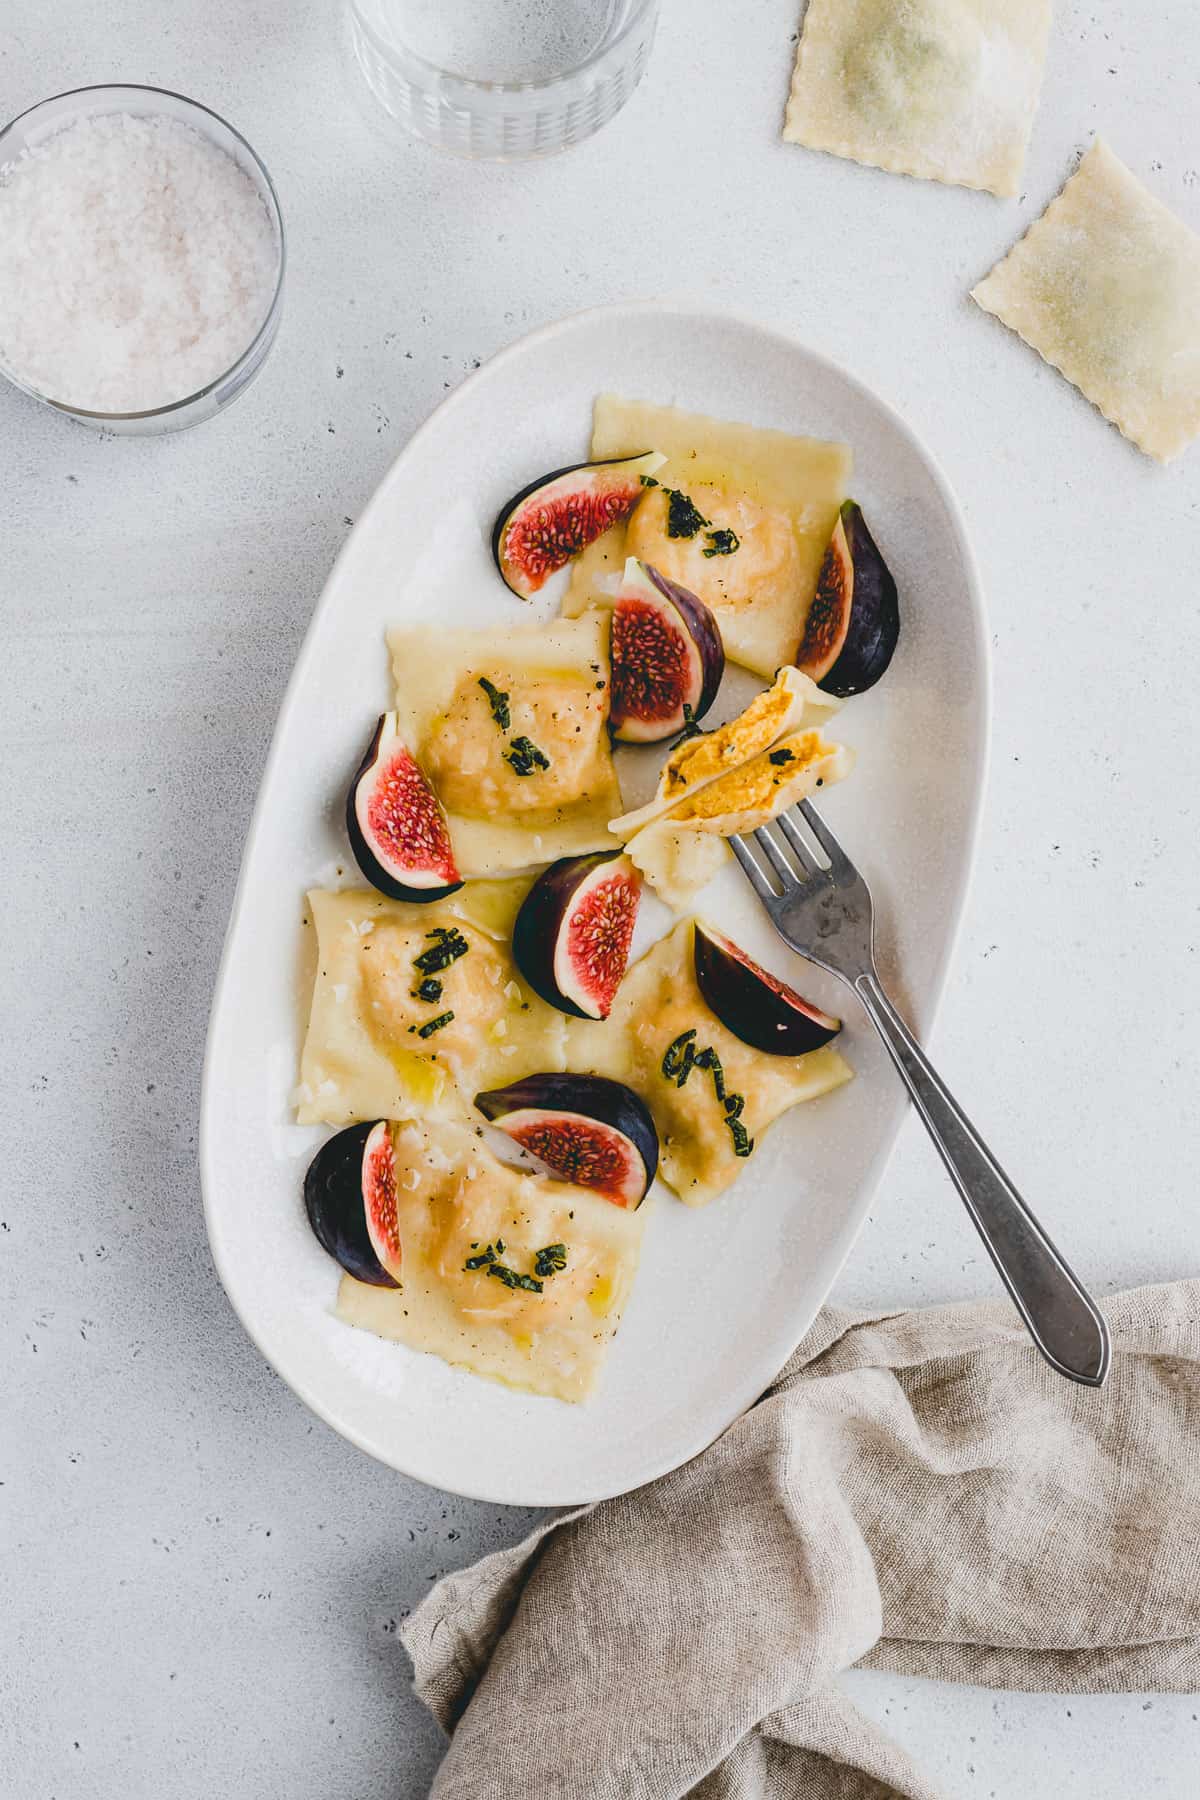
(415, 1008)
(761, 507)
(512, 1275)
(511, 728)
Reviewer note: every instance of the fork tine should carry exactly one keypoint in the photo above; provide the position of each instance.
(776, 858)
(838, 859)
(758, 880)
(804, 855)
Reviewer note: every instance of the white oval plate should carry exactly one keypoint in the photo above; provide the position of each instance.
(724, 1294)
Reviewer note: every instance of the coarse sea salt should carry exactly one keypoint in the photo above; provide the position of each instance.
(137, 263)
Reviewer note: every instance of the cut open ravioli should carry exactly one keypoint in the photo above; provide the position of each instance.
(510, 726)
(680, 852)
(364, 1057)
(457, 1204)
(793, 700)
(942, 89)
(1106, 287)
(774, 495)
(658, 1002)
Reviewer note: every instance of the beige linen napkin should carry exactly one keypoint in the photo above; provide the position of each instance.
(917, 1492)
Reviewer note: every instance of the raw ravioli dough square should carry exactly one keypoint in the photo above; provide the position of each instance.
(794, 486)
(1106, 287)
(658, 1000)
(452, 1198)
(942, 89)
(555, 680)
(363, 1058)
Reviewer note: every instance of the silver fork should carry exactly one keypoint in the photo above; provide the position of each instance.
(825, 913)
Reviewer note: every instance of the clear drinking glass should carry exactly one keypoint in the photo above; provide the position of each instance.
(502, 78)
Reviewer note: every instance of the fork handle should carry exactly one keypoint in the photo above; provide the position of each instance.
(1063, 1321)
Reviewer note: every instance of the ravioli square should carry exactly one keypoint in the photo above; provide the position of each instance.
(763, 507)
(510, 725)
(474, 1289)
(417, 1008)
(1105, 286)
(700, 1151)
(942, 89)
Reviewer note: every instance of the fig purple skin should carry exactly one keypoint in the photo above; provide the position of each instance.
(334, 1201)
(549, 522)
(572, 933)
(589, 1130)
(667, 655)
(755, 1005)
(396, 827)
(853, 624)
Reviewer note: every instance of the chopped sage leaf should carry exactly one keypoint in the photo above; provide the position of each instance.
(427, 1031)
(722, 542)
(686, 1066)
(690, 728)
(523, 756)
(672, 1062)
(430, 989)
(684, 518)
(780, 757)
(709, 1059)
(482, 1260)
(743, 1143)
(550, 1261)
(511, 1279)
(647, 481)
(498, 701)
(449, 945)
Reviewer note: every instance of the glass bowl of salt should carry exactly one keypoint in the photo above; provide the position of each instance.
(141, 258)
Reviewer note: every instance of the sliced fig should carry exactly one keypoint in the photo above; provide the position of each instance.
(350, 1197)
(587, 1129)
(853, 624)
(397, 828)
(755, 1005)
(558, 515)
(667, 657)
(572, 934)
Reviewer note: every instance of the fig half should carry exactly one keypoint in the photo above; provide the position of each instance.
(350, 1198)
(397, 829)
(549, 522)
(853, 624)
(755, 1005)
(572, 933)
(587, 1129)
(667, 657)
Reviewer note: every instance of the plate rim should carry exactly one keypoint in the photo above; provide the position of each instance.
(689, 311)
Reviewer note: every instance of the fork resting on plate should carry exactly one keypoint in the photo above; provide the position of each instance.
(821, 907)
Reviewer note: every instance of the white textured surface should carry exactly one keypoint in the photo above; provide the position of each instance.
(199, 1582)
